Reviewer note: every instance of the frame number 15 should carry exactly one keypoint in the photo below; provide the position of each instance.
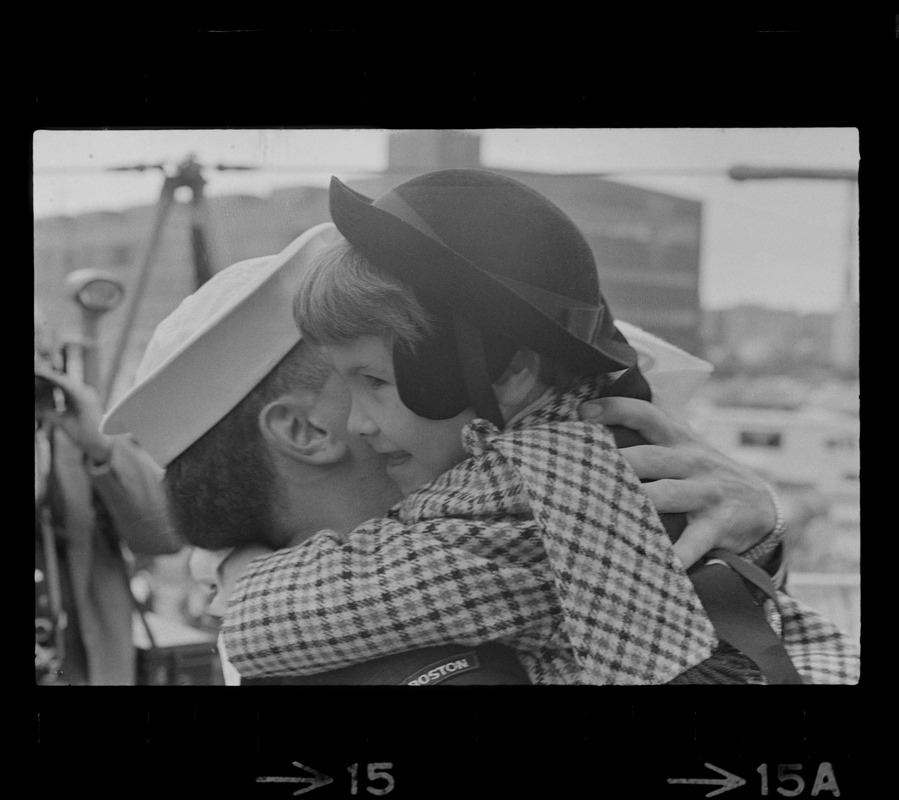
(376, 773)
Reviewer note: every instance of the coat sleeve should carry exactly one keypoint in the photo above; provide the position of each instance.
(389, 588)
(132, 492)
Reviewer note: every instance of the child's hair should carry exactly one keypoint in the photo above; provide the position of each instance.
(343, 296)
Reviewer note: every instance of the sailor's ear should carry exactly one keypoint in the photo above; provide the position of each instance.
(286, 424)
(522, 375)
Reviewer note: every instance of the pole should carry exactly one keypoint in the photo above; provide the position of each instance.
(204, 267)
(742, 172)
(164, 205)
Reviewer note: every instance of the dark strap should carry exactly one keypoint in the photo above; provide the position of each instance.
(740, 621)
(487, 664)
(751, 573)
(473, 360)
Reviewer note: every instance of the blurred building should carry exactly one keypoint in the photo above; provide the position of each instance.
(753, 338)
(805, 446)
(845, 338)
(647, 244)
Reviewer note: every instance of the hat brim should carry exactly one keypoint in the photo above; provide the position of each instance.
(430, 266)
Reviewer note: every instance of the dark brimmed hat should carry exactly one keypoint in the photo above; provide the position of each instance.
(500, 267)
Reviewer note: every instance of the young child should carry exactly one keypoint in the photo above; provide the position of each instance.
(464, 313)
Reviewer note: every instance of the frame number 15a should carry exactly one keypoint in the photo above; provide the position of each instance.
(791, 783)
(788, 780)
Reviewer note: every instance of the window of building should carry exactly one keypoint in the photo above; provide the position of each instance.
(760, 438)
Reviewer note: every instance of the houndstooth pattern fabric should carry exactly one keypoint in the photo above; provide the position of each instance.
(629, 610)
(819, 650)
(542, 540)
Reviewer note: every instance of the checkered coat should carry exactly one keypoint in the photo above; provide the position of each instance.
(542, 540)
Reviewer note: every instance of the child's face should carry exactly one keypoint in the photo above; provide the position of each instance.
(416, 449)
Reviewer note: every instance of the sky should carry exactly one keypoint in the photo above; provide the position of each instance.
(783, 243)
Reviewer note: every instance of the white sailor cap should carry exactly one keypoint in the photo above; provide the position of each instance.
(206, 355)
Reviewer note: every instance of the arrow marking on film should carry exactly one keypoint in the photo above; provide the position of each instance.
(728, 782)
(316, 780)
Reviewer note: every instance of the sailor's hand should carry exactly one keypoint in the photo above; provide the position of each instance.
(727, 505)
(80, 419)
